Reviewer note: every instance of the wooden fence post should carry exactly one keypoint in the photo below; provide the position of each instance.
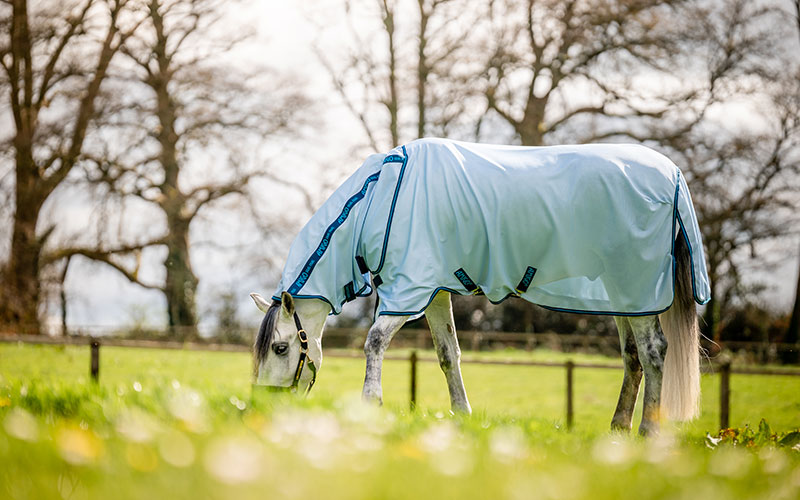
(94, 367)
(570, 367)
(724, 394)
(413, 360)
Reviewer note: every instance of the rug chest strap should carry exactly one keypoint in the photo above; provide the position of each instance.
(349, 292)
(362, 265)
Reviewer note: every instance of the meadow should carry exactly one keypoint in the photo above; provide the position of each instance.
(184, 424)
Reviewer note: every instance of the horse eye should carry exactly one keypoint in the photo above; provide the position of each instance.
(280, 348)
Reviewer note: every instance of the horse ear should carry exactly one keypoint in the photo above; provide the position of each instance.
(287, 302)
(261, 303)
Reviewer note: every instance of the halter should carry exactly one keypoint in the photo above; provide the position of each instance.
(301, 363)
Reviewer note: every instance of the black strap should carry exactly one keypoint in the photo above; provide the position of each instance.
(349, 292)
(297, 322)
(362, 265)
(304, 359)
(377, 281)
(526, 279)
(465, 280)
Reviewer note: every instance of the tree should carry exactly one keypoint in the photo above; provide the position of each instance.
(742, 180)
(656, 72)
(554, 64)
(55, 58)
(176, 102)
(405, 76)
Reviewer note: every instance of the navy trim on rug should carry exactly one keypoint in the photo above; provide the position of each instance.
(515, 296)
(677, 215)
(326, 238)
(394, 159)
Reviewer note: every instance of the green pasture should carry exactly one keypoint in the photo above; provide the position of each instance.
(183, 424)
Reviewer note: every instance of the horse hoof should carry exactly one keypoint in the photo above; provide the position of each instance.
(648, 430)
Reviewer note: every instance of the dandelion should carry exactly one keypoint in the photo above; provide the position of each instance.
(141, 457)
(77, 446)
(773, 461)
(437, 437)
(730, 462)
(507, 444)
(238, 403)
(456, 461)
(233, 460)
(613, 450)
(176, 449)
(137, 426)
(22, 425)
(137, 386)
(189, 407)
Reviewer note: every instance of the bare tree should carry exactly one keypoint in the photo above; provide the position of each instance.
(405, 76)
(744, 191)
(177, 102)
(589, 70)
(55, 57)
(743, 181)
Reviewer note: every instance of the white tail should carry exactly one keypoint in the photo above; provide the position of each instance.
(680, 386)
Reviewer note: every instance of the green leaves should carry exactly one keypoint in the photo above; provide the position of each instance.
(759, 438)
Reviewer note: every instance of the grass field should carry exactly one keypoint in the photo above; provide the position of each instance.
(182, 424)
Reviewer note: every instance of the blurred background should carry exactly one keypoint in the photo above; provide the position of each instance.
(157, 157)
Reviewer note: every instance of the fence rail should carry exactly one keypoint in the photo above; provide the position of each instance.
(762, 352)
(724, 369)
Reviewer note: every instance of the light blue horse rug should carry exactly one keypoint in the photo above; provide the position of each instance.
(587, 228)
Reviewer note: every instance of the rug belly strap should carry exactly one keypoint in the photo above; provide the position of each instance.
(465, 280)
(526, 280)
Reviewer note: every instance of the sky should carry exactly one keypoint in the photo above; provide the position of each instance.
(101, 298)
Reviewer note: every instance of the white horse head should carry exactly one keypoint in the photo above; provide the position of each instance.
(288, 348)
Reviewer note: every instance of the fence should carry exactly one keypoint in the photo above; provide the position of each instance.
(760, 352)
(724, 369)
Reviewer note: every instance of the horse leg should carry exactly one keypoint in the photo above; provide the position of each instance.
(440, 320)
(623, 415)
(378, 338)
(652, 347)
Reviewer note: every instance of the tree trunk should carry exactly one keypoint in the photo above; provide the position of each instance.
(791, 336)
(422, 68)
(20, 304)
(531, 128)
(181, 283)
(392, 104)
(709, 326)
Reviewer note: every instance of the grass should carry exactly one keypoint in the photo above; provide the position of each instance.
(182, 424)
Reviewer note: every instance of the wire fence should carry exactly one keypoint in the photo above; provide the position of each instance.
(723, 369)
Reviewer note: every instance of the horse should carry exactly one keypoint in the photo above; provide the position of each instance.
(599, 228)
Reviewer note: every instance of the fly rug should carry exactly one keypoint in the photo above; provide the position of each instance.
(601, 228)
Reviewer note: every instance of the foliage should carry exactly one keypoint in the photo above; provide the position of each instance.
(755, 438)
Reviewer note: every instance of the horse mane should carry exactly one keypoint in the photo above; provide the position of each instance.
(264, 337)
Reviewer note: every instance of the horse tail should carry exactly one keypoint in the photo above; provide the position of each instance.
(680, 389)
